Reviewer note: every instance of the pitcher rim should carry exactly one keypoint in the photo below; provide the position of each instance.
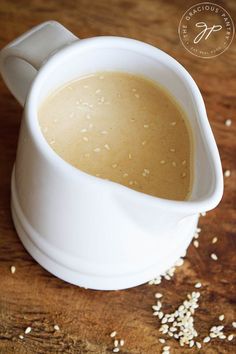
(31, 117)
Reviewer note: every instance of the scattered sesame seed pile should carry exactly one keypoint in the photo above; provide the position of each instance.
(180, 323)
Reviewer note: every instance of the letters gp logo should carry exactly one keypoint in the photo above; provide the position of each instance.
(206, 30)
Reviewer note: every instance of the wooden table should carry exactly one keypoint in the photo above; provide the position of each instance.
(33, 297)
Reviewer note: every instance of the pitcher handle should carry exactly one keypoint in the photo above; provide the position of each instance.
(21, 59)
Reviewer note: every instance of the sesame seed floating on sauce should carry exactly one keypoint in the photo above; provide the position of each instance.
(107, 147)
(97, 149)
(84, 130)
(85, 138)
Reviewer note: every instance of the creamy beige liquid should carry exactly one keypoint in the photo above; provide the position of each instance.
(124, 128)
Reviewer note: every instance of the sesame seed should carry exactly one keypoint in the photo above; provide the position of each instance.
(214, 240)
(173, 123)
(97, 175)
(198, 345)
(228, 122)
(162, 162)
(98, 91)
(122, 342)
(214, 257)
(131, 183)
(116, 350)
(134, 89)
(13, 269)
(227, 173)
(183, 174)
(101, 77)
(88, 116)
(221, 317)
(28, 330)
(104, 132)
(179, 262)
(146, 126)
(85, 138)
(158, 295)
(113, 334)
(97, 150)
(191, 343)
(52, 142)
(230, 337)
(114, 165)
(116, 342)
(206, 339)
(144, 142)
(184, 162)
(196, 243)
(106, 146)
(130, 156)
(203, 213)
(21, 337)
(166, 347)
(84, 130)
(172, 150)
(125, 174)
(234, 324)
(174, 163)
(56, 327)
(136, 95)
(162, 340)
(198, 285)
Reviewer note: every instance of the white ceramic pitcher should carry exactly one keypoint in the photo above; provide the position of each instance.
(85, 230)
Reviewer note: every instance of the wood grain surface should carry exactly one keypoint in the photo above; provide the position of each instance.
(33, 297)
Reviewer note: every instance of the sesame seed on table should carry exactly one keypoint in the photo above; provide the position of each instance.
(42, 314)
